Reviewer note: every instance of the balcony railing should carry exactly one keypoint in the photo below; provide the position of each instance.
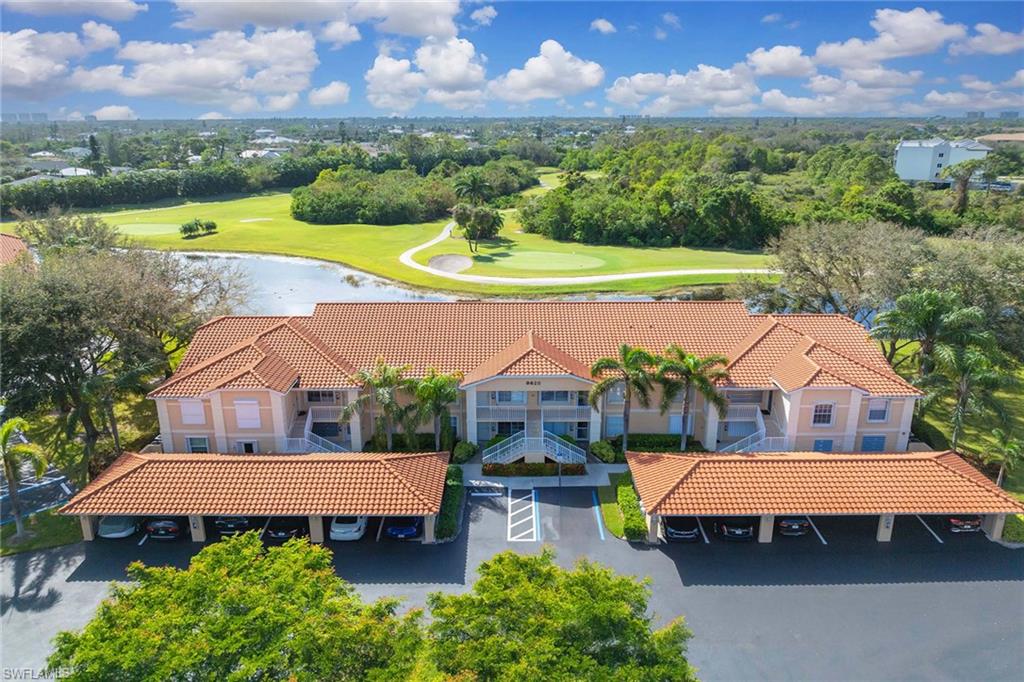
(743, 412)
(566, 413)
(501, 413)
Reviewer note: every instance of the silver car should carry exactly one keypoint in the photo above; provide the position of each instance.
(348, 528)
(117, 526)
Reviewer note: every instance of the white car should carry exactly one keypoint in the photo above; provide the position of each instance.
(348, 528)
(117, 526)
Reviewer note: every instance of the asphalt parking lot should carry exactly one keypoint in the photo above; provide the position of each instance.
(797, 608)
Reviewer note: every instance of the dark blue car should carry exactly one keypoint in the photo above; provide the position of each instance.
(403, 527)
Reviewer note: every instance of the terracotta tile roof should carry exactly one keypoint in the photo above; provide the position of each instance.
(390, 484)
(488, 338)
(814, 483)
(528, 355)
(797, 351)
(10, 248)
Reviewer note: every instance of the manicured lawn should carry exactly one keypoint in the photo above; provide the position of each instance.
(263, 224)
(607, 495)
(48, 529)
(517, 254)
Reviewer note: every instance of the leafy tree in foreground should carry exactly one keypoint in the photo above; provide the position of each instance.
(241, 612)
(529, 619)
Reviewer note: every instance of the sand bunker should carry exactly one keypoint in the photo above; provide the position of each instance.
(450, 262)
(255, 220)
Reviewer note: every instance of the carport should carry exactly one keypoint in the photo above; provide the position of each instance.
(317, 486)
(766, 485)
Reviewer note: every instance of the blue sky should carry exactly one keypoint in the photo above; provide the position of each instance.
(248, 58)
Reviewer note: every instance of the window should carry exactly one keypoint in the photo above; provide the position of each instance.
(508, 428)
(454, 421)
(823, 414)
(675, 423)
(878, 410)
(938, 165)
(320, 397)
(613, 427)
(511, 397)
(823, 445)
(582, 430)
(192, 412)
(247, 447)
(582, 398)
(941, 154)
(872, 444)
(197, 444)
(617, 395)
(557, 428)
(554, 396)
(247, 414)
(744, 396)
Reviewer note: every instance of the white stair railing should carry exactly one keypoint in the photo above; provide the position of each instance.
(508, 450)
(743, 444)
(562, 450)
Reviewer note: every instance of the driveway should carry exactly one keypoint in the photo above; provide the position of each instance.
(795, 609)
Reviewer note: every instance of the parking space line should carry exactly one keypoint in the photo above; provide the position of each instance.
(934, 534)
(536, 517)
(65, 488)
(264, 529)
(597, 514)
(702, 533)
(143, 540)
(521, 517)
(816, 531)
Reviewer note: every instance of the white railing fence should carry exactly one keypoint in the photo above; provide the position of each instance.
(501, 414)
(508, 450)
(519, 444)
(743, 444)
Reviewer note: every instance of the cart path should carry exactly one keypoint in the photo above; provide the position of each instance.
(407, 259)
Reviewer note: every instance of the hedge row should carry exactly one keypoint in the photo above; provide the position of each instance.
(533, 469)
(634, 523)
(451, 502)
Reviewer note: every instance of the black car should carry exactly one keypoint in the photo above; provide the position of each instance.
(231, 525)
(794, 526)
(735, 528)
(163, 528)
(681, 528)
(283, 528)
(964, 523)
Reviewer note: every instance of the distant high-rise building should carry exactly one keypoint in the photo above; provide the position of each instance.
(40, 117)
(975, 115)
(90, 117)
(1009, 115)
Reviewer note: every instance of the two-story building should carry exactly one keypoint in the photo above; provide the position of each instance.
(279, 384)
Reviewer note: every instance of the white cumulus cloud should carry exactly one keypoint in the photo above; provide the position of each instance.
(281, 102)
(211, 116)
(725, 91)
(552, 74)
(602, 25)
(989, 39)
(114, 10)
(115, 112)
(781, 60)
(898, 34)
(36, 64)
(339, 34)
(484, 16)
(335, 92)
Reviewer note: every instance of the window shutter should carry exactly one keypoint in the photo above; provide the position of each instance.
(247, 414)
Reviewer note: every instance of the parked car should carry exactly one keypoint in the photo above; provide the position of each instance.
(348, 528)
(163, 528)
(231, 525)
(681, 528)
(403, 527)
(117, 526)
(964, 523)
(283, 528)
(794, 526)
(737, 528)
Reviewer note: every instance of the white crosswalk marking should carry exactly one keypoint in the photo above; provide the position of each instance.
(522, 519)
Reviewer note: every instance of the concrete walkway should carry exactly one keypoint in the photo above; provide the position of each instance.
(597, 475)
(407, 259)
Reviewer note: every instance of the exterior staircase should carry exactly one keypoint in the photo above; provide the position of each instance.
(520, 444)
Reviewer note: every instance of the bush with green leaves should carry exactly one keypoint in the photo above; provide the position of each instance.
(451, 502)
(533, 469)
(634, 522)
(605, 452)
(191, 229)
(209, 226)
(464, 451)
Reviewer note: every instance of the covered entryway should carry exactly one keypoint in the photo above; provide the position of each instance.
(316, 486)
(889, 488)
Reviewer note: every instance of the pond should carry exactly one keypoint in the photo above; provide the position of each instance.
(284, 285)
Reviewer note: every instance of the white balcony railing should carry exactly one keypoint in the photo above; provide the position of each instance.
(324, 414)
(566, 413)
(743, 412)
(494, 413)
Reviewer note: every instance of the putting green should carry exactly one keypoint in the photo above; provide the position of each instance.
(147, 228)
(547, 260)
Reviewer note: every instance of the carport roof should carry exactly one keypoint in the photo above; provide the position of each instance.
(698, 484)
(324, 484)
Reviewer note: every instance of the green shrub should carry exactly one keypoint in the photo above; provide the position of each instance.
(400, 442)
(604, 451)
(464, 451)
(191, 228)
(451, 502)
(656, 442)
(568, 438)
(634, 523)
(209, 226)
(533, 469)
(495, 439)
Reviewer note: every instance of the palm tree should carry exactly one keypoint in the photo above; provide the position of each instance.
(472, 186)
(634, 370)
(679, 371)
(13, 455)
(928, 318)
(968, 376)
(384, 384)
(1009, 453)
(434, 393)
(961, 174)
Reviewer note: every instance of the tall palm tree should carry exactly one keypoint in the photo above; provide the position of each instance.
(968, 376)
(1009, 453)
(13, 455)
(928, 318)
(634, 370)
(472, 186)
(434, 393)
(679, 371)
(384, 385)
